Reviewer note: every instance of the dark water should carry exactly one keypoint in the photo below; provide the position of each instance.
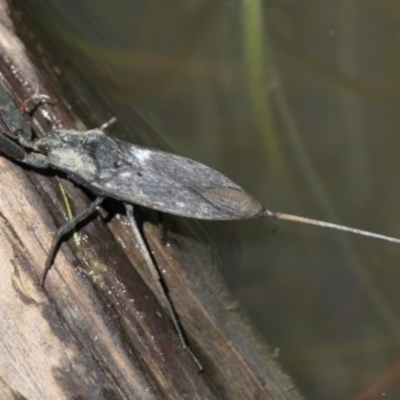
(298, 102)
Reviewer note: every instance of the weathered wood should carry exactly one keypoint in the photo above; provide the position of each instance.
(97, 330)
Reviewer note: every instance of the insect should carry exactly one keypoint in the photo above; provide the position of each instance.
(114, 168)
(162, 181)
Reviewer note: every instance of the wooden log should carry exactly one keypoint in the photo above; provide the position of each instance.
(98, 330)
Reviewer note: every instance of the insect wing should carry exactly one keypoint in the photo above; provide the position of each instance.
(176, 185)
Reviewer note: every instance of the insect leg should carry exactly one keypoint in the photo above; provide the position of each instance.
(155, 273)
(65, 229)
(11, 149)
(21, 133)
(16, 151)
(34, 101)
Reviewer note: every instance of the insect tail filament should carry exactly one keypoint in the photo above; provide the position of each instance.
(329, 225)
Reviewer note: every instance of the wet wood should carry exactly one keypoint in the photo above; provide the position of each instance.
(97, 330)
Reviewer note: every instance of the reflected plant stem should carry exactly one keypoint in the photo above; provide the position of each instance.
(259, 84)
(254, 25)
(354, 127)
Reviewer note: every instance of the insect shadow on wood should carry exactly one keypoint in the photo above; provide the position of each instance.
(114, 168)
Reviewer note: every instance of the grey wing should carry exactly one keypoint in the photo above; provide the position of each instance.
(175, 185)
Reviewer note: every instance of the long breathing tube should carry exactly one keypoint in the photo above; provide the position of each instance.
(329, 225)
